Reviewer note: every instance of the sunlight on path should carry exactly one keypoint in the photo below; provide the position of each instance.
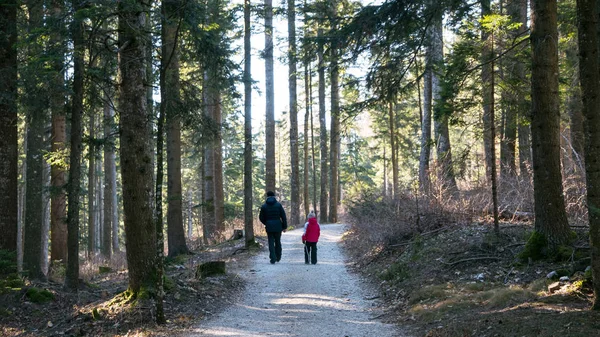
(294, 299)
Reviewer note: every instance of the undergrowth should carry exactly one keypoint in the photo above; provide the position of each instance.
(439, 264)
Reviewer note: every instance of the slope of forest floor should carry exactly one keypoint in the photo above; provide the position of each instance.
(459, 279)
(101, 309)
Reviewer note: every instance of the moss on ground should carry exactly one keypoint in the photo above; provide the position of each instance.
(536, 247)
(39, 296)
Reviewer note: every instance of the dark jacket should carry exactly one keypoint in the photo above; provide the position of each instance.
(273, 216)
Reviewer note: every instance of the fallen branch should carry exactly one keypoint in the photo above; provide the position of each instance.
(470, 259)
(421, 234)
(239, 250)
(515, 244)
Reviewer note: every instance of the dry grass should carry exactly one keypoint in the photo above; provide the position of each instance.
(449, 275)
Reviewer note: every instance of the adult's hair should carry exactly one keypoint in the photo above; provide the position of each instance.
(270, 194)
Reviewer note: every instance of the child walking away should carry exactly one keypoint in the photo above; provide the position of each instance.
(312, 231)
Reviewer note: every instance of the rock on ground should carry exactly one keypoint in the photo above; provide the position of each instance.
(294, 299)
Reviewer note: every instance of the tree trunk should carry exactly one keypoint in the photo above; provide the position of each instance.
(514, 94)
(46, 205)
(8, 126)
(509, 137)
(590, 87)
(58, 213)
(111, 206)
(486, 74)
(424, 181)
(190, 214)
(489, 110)
(312, 141)
(322, 127)
(519, 14)
(248, 204)
(136, 169)
(550, 215)
(170, 97)
(576, 120)
(32, 256)
(335, 121)
(74, 180)
(295, 161)
(492, 112)
(218, 170)
(109, 190)
(440, 123)
(168, 55)
(307, 102)
(575, 110)
(270, 104)
(385, 169)
(91, 248)
(392, 126)
(150, 97)
(208, 223)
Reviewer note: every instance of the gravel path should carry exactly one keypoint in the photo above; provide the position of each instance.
(294, 299)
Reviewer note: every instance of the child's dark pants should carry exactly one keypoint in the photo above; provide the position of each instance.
(310, 248)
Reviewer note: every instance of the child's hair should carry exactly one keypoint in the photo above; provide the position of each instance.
(311, 215)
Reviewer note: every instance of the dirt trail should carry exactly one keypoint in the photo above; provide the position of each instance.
(294, 299)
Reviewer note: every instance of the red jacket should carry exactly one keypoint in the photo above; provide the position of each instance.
(312, 231)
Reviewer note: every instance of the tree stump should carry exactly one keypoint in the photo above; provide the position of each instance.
(237, 234)
(211, 268)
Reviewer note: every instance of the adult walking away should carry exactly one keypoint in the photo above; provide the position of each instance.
(272, 215)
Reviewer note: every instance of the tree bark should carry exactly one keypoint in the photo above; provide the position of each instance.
(487, 92)
(248, 167)
(550, 215)
(110, 171)
(218, 170)
(136, 168)
(32, 256)
(515, 105)
(322, 127)
(208, 223)
(590, 87)
(170, 97)
(270, 181)
(440, 123)
(424, 157)
(292, 78)
(168, 55)
(307, 102)
(46, 179)
(519, 14)
(392, 126)
(312, 142)
(91, 247)
(335, 121)
(74, 180)
(110, 190)
(8, 126)
(58, 213)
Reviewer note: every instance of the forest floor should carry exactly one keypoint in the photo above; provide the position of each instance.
(456, 280)
(461, 280)
(100, 309)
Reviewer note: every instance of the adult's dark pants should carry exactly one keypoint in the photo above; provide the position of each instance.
(274, 246)
(310, 249)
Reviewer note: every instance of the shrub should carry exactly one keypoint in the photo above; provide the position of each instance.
(8, 262)
(397, 271)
